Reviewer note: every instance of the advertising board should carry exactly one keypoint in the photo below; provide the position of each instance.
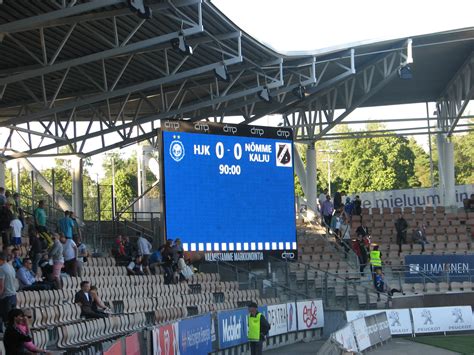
(310, 314)
(399, 319)
(232, 327)
(278, 319)
(442, 319)
(439, 267)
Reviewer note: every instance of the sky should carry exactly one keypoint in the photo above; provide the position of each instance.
(305, 25)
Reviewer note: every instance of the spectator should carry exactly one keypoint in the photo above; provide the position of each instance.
(375, 260)
(337, 200)
(167, 259)
(327, 211)
(27, 279)
(82, 254)
(40, 217)
(76, 230)
(144, 249)
(119, 250)
(177, 248)
(36, 248)
(17, 210)
(97, 304)
(136, 266)
(66, 225)
(381, 286)
(84, 299)
(47, 270)
(362, 230)
(184, 270)
(364, 245)
(419, 237)
(70, 254)
(401, 226)
(56, 254)
(16, 259)
(345, 232)
(13, 339)
(128, 247)
(7, 289)
(468, 203)
(336, 222)
(321, 199)
(6, 217)
(16, 228)
(348, 210)
(24, 327)
(357, 206)
(258, 328)
(3, 199)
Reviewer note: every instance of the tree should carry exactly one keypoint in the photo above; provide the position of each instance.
(422, 177)
(463, 158)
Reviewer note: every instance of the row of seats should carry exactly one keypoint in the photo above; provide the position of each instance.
(88, 331)
(435, 287)
(50, 316)
(88, 271)
(101, 261)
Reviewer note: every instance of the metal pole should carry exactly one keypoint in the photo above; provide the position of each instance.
(53, 183)
(113, 204)
(329, 177)
(429, 145)
(98, 201)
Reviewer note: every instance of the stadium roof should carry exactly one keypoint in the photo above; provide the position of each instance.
(69, 61)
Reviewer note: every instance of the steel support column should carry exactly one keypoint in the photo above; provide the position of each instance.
(446, 171)
(77, 188)
(2, 173)
(311, 193)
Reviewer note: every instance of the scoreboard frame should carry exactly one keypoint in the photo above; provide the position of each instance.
(233, 130)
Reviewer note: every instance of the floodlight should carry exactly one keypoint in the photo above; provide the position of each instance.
(179, 44)
(265, 95)
(139, 7)
(222, 73)
(405, 72)
(299, 92)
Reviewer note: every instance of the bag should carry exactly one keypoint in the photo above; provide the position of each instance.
(187, 272)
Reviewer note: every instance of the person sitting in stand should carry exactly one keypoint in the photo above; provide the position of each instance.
(135, 267)
(16, 259)
(184, 270)
(27, 279)
(97, 304)
(84, 299)
(24, 327)
(419, 236)
(381, 286)
(13, 339)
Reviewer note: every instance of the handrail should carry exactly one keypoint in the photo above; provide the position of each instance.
(273, 283)
(119, 214)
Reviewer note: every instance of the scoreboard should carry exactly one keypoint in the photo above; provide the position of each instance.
(228, 190)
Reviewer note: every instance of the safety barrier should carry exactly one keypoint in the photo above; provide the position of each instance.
(416, 321)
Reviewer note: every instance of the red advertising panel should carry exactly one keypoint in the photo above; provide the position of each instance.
(165, 340)
(115, 349)
(132, 345)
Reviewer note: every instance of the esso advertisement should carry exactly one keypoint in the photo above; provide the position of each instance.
(310, 314)
(278, 319)
(232, 327)
(165, 340)
(292, 317)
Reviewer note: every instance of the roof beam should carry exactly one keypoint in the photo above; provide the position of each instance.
(37, 21)
(456, 96)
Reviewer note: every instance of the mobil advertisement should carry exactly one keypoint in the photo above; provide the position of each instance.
(165, 339)
(194, 335)
(310, 314)
(439, 268)
(232, 327)
(291, 314)
(398, 319)
(442, 319)
(278, 319)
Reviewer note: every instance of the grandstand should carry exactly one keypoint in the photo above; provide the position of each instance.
(104, 74)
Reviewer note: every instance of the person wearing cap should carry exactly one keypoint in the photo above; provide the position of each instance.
(257, 330)
(7, 288)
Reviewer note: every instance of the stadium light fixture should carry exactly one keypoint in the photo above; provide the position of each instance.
(299, 92)
(222, 73)
(405, 72)
(179, 44)
(264, 95)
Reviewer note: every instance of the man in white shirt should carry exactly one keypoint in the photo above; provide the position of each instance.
(322, 198)
(144, 249)
(70, 255)
(16, 230)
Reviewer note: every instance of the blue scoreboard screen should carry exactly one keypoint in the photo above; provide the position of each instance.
(228, 189)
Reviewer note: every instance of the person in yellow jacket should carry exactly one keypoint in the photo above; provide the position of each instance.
(375, 260)
(257, 330)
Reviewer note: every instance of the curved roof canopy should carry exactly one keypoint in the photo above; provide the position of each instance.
(72, 71)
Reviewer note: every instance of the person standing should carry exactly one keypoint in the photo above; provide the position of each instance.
(40, 217)
(327, 211)
(66, 225)
(357, 206)
(56, 254)
(16, 227)
(258, 328)
(70, 254)
(375, 260)
(144, 249)
(321, 199)
(7, 288)
(401, 226)
(6, 216)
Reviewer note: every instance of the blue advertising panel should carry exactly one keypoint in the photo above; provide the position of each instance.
(228, 188)
(439, 267)
(195, 335)
(263, 310)
(232, 327)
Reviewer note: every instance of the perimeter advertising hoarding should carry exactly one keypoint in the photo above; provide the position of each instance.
(345, 337)
(292, 317)
(228, 190)
(232, 327)
(310, 314)
(383, 326)
(195, 335)
(361, 333)
(165, 339)
(278, 319)
(442, 319)
(398, 319)
(439, 267)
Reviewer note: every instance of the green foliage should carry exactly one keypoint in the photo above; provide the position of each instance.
(464, 158)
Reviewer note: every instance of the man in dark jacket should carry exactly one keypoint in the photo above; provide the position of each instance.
(84, 299)
(258, 328)
(401, 226)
